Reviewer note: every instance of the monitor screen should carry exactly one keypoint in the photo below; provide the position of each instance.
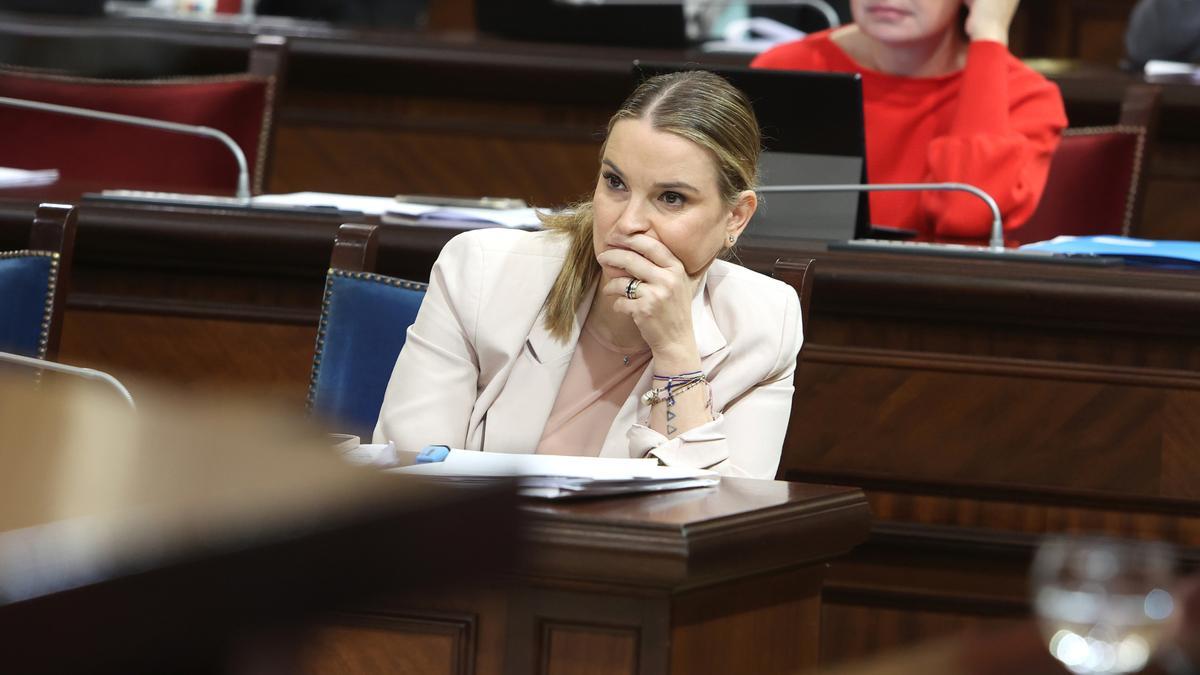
(659, 25)
(812, 127)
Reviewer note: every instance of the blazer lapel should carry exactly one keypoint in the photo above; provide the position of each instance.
(516, 419)
(709, 338)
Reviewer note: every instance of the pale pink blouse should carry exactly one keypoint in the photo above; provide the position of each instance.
(598, 380)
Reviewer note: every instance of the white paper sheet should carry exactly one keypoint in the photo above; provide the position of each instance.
(332, 200)
(563, 477)
(11, 178)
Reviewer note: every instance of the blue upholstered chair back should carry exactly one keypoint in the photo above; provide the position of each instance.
(27, 284)
(364, 321)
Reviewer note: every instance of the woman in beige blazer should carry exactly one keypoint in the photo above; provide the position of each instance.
(618, 316)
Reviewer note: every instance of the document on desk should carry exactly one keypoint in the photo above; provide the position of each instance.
(1147, 252)
(456, 216)
(12, 178)
(394, 212)
(1158, 68)
(563, 477)
(332, 201)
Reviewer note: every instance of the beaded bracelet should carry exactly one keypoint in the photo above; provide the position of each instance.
(685, 376)
(675, 384)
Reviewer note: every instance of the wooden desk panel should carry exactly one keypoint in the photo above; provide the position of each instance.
(945, 426)
(981, 404)
(717, 580)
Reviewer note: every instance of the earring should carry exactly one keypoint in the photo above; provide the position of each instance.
(732, 239)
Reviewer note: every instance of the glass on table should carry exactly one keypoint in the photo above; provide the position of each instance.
(1102, 603)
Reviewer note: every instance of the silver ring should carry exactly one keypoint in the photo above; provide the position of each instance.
(631, 288)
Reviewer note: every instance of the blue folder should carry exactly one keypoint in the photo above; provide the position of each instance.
(1146, 252)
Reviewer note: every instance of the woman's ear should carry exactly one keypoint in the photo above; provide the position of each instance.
(739, 215)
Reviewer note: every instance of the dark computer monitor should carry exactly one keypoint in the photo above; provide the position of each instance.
(659, 25)
(76, 7)
(812, 125)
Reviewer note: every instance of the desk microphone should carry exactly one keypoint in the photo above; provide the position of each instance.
(996, 243)
(243, 180)
(85, 373)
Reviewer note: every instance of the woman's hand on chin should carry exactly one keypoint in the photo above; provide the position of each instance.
(662, 306)
(990, 19)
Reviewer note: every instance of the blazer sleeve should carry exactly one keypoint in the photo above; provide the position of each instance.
(746, 438)
(432, 391)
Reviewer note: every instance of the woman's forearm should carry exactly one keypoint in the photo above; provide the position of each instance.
(681, 399)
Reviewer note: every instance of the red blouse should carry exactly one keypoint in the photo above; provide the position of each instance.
(995, 124)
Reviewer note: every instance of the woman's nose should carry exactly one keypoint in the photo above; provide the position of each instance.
(634, 218)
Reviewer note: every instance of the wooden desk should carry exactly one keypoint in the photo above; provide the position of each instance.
(944, 387)
(981, 404)
(170, 539)
(718, 580)
(203, 296)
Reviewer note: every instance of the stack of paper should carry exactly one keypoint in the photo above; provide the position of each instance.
(455, 216)
(1157, 68)
(393, 211)
(561, 477)
(326, 200)
(11, 178)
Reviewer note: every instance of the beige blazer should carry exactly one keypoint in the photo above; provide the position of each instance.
(479, 370)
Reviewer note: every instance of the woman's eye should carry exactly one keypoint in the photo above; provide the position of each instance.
(673, 198)
(613, 181)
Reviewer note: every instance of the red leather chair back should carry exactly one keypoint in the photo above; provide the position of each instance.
(1092, 185)
(121, 156)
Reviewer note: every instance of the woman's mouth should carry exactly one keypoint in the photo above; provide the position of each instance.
(885, 13)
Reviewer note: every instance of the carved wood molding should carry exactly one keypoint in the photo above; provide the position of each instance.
(864, 595)
(1003, 492)
(193, 309)
(666, 540)
(867, 357)
(1128, 299)
(590, 640)
(953, 547)
(990, 543)
(461, 628)
(679, 557)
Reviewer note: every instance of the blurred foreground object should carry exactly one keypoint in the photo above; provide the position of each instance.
(1102, 603)
(154, 542)
(38, 365)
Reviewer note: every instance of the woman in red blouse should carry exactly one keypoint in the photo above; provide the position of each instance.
(944, 100)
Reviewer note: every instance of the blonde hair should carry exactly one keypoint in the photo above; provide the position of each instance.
(697, 105)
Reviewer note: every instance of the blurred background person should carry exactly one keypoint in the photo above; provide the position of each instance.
(1163, 29)
(944, 100)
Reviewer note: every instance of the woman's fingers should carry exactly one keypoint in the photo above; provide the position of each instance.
(645, 301)
(655, 251)
(620, 287)
(632, 263)
(990, 19)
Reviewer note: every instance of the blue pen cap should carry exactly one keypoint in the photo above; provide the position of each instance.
(433, 453)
